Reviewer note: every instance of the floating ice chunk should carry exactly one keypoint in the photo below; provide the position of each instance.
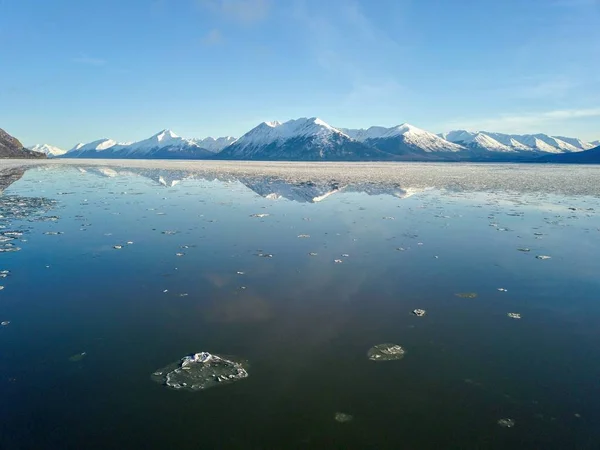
(506, 423)
(385, 352)
(523, 249)
(200, 371)
(467, 294)
(5, 323)
(260, 216)
(304, 236)
(313, 254)
(338, 261)
(117, 247)
(77, 357)
(342, 417)
(503, 290)
(543, 257)
(514, 315)
(419, 312)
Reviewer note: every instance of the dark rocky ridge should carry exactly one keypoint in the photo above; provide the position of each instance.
(10, 147)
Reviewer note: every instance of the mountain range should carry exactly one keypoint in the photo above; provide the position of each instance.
(311, 139)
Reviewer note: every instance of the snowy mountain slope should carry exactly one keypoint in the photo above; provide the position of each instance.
(477, 141)
(301, 139)
(215, 145)
(520, 143)
(98, 145)
(577, 143)
(591, 156)
(405, 140)
(162, 145)
(48, 150)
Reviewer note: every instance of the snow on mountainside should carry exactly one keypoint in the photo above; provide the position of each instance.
(48, 150)
(215, 145)
(403, 139)
(477, 140)
(595, 143)
(515, 142)
(99, 145)
(161, 140)
(165, 144)
(301, 139)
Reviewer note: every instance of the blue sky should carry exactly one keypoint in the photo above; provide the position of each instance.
(73, 70)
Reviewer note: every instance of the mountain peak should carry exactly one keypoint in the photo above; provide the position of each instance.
(47, 149)
(165, 135)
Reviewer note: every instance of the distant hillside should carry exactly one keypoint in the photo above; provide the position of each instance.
(587, 157)
(10, 147)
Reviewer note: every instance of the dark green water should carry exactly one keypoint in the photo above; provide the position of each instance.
(303, 322)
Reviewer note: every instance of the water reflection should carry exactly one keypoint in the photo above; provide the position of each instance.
(268, 187)
(148, 265)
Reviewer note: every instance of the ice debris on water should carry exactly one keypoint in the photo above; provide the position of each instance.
(543, 257)
(303, 236)
(201, 371)
(259, 216)
(506, 423)
(313, 254)
(419, 312)
(386, 352)
(523, 249)
(338, 261)
(77, 357)
(169, 232)
(467, 294)
(5, 323)
(502, 290)
(117, 247)
(342, 417)
(514, 315)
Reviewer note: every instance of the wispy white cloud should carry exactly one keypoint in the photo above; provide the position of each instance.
(243, 11)
(90, 61)
(348, 45)
(213, 37)
(523, 123)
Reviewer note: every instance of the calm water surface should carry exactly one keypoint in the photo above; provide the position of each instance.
(304, 323)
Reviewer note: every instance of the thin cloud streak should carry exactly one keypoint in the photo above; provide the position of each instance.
(523, 123)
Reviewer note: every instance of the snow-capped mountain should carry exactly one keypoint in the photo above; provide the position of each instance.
(500, 142)
(48, 150)
(404, 139)
(215, 145)
(162, 145)
(94, 146)
(595, 143)
(301, 139)
(478, 141)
